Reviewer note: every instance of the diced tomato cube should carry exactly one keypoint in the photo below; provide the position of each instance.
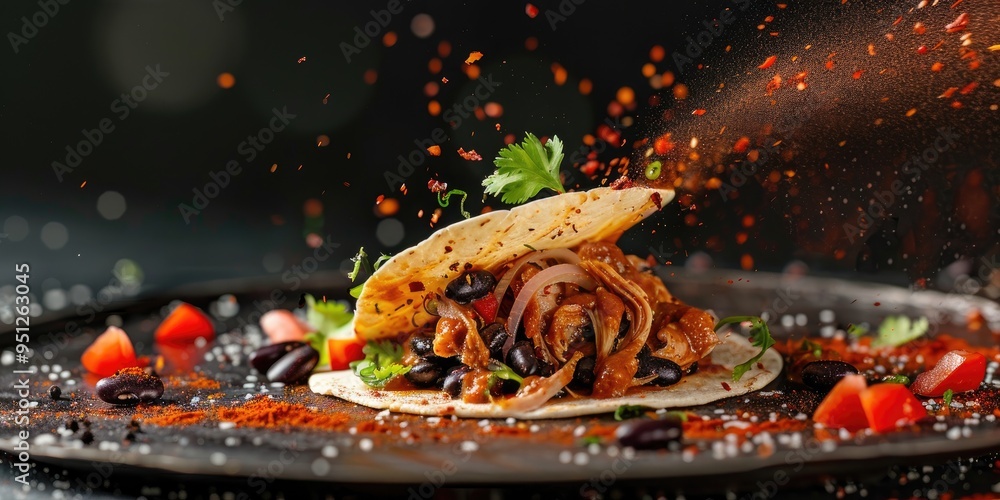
(185, 324)
(960, 371)
(842, 406)
(487, 307)
(344, 350)
(110, 352)
(888, 406)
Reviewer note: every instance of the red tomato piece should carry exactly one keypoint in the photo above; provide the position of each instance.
(958, 370)
(842, 406)
(486, 307)
(344, 350)
(110, 352)
(185, 324)
(888, 406)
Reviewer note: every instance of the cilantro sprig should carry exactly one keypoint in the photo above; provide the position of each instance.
(361, 263)
(330, 319)
(948, 394)
(381, 363)
(625, 412)
(525, 169)
(760, 336)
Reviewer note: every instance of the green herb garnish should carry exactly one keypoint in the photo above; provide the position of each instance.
(948, 394)
(500, 370)
(679, 415)
(361, 262)
(525, 169)
(381, 363)
(857, 330)
(330, 319)
(443, 200)
(625, 412)
(898, 330)
(896, 379)
(808, 345)
(760, 336)
(588, 440)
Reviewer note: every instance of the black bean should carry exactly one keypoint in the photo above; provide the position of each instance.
(470, 286)
(453, 381)
(55, 391)
(422, 345)
(130, 386)
(87, 437)
(693, 368)
(583, 375)
(650, 434)
(824, 374)
(72, 425)
(293, 366)
(667, 372)
(522, 360)
(495, 336)
(262, 359)
(425, 373)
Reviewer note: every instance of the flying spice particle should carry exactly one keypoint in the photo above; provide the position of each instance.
(768, 62)
(434, 150)
(302, 59)
(531, 10)
(470, 155)
(473, 57)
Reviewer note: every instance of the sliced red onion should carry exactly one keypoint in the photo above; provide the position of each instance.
(561, 254)
(559, 273)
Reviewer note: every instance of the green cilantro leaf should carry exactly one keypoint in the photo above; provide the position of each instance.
(898, 330)
(330, 319)
(381, 363)
(948, 394)
(896, 379)
(760, 336)
(625, 412)
(589, 440)
(525, 169)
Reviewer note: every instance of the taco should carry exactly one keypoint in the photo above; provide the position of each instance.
(536, 313)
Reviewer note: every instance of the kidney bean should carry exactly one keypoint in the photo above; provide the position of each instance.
(294, 365)
(130, 386)
(262, 359)
(650, 434)
(824, 374)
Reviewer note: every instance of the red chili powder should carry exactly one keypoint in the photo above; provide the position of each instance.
(263, 411)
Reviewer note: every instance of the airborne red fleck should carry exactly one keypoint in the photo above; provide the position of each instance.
(531, 10)
(768, 62)
(698, 112)
(742, 144)
(662, 145)
(434, 150)
(470, 155)
(473, 57)
(958, 24)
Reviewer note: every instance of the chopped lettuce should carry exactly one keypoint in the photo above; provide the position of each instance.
(898, 330)
(330, 319)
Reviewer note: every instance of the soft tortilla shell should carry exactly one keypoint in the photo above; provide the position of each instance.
(392, 302)
(700, 388)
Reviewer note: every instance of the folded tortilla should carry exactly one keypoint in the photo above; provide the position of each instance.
(702, 387)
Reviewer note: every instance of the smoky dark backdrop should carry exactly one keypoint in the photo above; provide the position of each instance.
(140, 205)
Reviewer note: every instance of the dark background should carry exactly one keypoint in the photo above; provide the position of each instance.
(68, 75)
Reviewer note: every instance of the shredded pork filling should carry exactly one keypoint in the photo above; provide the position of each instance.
(557, 316)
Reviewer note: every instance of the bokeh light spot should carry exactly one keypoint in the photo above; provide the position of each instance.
(390, 232)
(422, 25)
(54, 235)
(111, 205)
(16, 228)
